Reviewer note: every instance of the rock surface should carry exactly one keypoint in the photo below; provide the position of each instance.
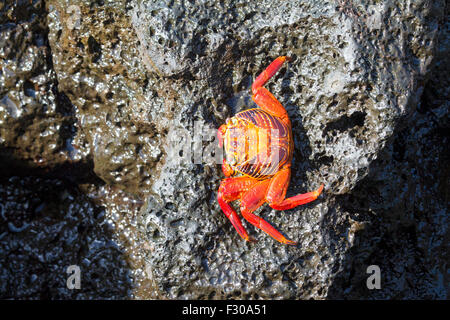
(108, 104)
(48, 227)
(34, 124)
(356, 72)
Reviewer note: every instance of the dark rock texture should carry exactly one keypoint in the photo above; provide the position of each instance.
(52, 208)
(357, 72)
(34, 124)
(48, 227)
(105, 106)
(97, 62)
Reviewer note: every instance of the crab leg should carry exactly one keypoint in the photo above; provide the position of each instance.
(269, 72)
(277, 191)
(231, 189)
(251, 201)
(262, 97)
(297, 200)
(267, 101)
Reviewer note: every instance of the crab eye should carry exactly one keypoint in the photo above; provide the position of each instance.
(231, 121)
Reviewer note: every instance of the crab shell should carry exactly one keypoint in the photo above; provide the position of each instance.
(257, 144)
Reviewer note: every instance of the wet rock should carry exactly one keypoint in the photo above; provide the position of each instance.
(358, 71)
(401, 212)
(140, 87)
(357, 67)
(401, 208)
(47, 226)
(35, 121)
(54, 211)
(97, 64)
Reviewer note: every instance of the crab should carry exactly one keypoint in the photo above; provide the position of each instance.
(258, 148)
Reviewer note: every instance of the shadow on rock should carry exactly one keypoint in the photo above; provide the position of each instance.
(47, 225)
(398, 216)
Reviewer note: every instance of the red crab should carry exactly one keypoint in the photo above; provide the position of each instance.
(258, 147)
